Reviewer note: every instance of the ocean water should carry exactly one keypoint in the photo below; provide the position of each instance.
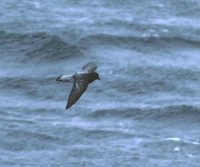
(145, 111)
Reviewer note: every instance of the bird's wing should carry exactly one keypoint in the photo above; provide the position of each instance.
(90, 67)
(79, 87)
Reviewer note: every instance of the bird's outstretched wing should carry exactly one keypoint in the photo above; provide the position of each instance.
(79, 87)
(90, 67)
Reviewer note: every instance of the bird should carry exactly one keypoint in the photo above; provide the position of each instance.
(80, 80)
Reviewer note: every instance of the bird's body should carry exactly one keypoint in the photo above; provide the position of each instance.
(80, 80)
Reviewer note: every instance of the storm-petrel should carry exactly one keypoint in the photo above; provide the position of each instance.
(80, 80)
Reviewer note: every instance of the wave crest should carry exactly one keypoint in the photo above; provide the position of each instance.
(37, 46)
(182, 112)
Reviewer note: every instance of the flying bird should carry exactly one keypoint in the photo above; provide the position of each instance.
(80, 80)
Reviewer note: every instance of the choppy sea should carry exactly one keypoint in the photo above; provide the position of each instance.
(145, 111)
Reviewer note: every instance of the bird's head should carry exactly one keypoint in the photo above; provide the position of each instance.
(97, 76)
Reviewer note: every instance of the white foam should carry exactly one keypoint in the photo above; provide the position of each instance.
(195, 143)
(37, 4)
(177, 148)
(165, 30)
(190, 155)
(176, 139)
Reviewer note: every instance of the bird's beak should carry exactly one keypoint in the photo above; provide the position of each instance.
(98, 78)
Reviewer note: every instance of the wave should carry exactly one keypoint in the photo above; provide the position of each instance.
(181, 112)
(43, 46)
(139, 80)
(36, 87)
(137, 41)
(28, 139)
(40, 47)
(37, 47)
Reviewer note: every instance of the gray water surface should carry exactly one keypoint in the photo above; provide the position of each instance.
(145, 111)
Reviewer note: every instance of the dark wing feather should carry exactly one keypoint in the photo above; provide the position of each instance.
(78, 89)
(90, 67)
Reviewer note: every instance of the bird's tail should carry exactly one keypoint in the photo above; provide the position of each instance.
(65, 78)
